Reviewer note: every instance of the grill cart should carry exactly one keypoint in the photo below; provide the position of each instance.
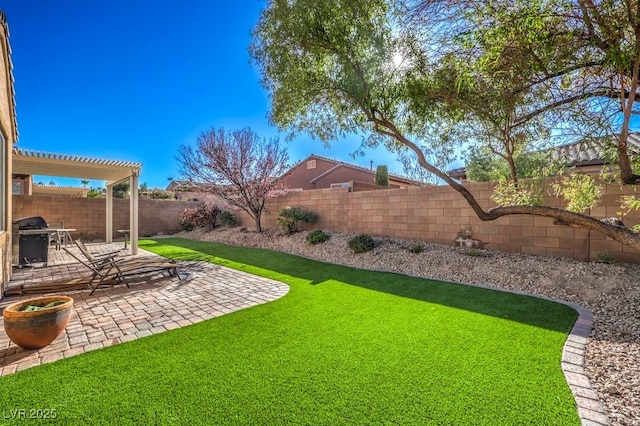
(30, 241)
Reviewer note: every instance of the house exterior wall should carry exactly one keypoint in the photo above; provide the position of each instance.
(9, 135)
(300, 177)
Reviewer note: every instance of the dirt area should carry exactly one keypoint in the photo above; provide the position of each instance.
(610, 291)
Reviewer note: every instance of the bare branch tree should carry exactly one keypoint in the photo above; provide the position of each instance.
(239, 167)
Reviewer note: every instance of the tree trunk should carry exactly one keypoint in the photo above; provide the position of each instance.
(258, 224)
(564, 217)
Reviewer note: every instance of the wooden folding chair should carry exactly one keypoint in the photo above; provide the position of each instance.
(105, 269)
(110, 266)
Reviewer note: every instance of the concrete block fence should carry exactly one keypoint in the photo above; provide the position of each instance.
(88, 215)
(432, 213)
(439, 214)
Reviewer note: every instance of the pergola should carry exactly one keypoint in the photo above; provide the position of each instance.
(29, 162)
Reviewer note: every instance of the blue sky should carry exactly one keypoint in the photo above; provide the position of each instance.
(134, 80)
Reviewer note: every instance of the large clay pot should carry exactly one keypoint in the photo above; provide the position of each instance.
(37, 329)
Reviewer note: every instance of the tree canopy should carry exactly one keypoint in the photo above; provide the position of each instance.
(238, 166)
(429, 78)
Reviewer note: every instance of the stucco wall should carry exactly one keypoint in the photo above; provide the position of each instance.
(9, 132)
(300, 177)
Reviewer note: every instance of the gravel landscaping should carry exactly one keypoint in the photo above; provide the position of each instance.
(610, 291)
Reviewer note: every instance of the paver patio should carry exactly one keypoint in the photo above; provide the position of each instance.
(154, 303)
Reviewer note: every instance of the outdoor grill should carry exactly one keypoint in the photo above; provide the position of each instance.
(30, 241)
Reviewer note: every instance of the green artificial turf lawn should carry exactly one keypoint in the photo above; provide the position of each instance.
(344, 346)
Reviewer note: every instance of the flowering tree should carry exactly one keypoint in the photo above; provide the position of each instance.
(239, 167)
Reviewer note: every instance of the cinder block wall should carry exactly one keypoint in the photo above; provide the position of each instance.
(439, 214)
(432, 213)
(88, 215)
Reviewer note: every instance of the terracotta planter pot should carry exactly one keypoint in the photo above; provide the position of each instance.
(37, 329)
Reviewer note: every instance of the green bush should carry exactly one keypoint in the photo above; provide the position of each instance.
(606, 258)
(417, 248)
(382, 176)
(361, 243)
(228, 219)
(290, 218)
(317, 236)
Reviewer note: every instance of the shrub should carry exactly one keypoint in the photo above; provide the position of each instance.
(606, 258)
(205, 215)
(187, 226)
(382, 176)
(157, 194)
(290, 218)
(228, 219)
(361, 243)
(417, 248)
(317, 236)
(475, 252)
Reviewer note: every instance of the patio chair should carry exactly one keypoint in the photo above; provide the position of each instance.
(112, 268)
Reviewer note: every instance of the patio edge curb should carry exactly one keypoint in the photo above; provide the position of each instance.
(590, 409)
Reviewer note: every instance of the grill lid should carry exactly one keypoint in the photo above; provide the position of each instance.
(34, 222)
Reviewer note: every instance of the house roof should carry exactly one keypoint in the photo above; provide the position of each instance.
(584, 152)
(31, 162)
(338, 164)
(587, 152)
(10, 83)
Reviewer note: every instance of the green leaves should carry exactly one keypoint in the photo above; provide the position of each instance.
(327, 65)
(579, 191)
(510, 193)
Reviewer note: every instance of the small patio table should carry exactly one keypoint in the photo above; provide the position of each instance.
(126, 235)
(61, 236)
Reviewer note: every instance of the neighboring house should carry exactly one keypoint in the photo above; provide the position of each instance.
(585, 155)
(8, 136)
(181, 185)
(23, 185)
(316, 172)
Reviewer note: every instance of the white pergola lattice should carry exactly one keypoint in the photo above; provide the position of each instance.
(30, 162)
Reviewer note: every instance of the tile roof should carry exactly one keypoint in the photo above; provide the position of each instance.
(585, 152)
(12, 98)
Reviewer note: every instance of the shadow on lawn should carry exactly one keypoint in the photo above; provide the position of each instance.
(524, 309)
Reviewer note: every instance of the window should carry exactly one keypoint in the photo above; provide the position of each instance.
(311, 164)
(16, 187)
(341, 185)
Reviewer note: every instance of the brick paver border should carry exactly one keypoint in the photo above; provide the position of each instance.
(119, 314)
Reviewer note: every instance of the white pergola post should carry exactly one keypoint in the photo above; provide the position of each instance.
(133, 213)
(109, 215)
(29, 162)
